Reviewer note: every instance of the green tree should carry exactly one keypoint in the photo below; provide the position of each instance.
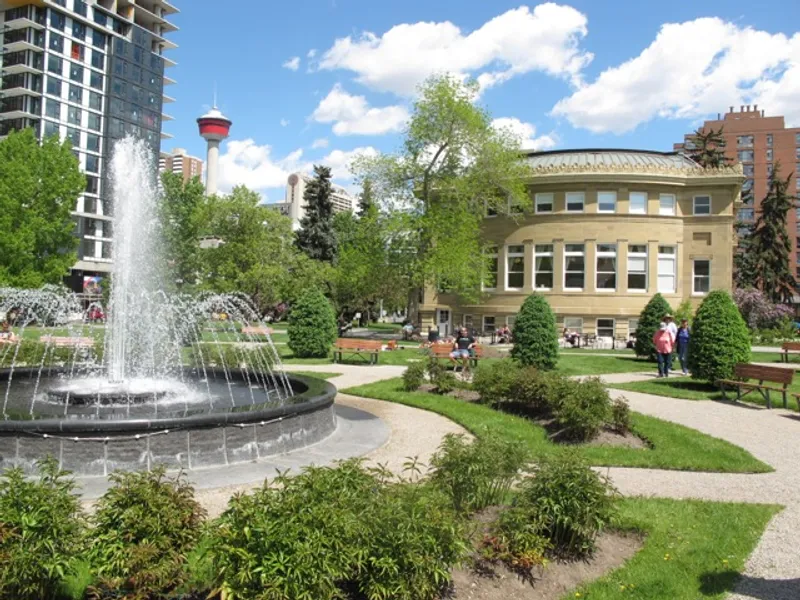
(649, 319)
(684, 311)
(39, 187)
(181, 211)
(312, 326)
(366, 201)
(535, 334)
(453, 165)
(720, 338)
(707, 148)
(770, 244)
(316, 237)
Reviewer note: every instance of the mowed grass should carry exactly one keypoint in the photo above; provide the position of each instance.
(692, 550)
(673, 446)
(317, 374)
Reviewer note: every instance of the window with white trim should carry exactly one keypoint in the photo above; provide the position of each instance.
(515, 267)
(490, 279)
(605, 328)
(574, 324)
(633, 325)
(543, 259)
(544, 203)
(637, 203)
(488, 324)
(702, 205)
(637, 268)
(606, 202)
(667, 263)
(575, 201)
(606, 262)
(574, 267)
(701, 276)
(666, 205)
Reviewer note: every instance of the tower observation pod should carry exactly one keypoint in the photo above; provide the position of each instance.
(214, 127)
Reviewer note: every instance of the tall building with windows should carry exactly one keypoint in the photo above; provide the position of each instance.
(293, 205)
(181, 163)
(606, 230)
(759, 142)
(91, 71)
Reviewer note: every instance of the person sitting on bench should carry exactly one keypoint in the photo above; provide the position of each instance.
(462, 346)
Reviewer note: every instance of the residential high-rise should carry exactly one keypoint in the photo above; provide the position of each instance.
(181, 163)
(91, 71)
(759, 143)
(294, 207)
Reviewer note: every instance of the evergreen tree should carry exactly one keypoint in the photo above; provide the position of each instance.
(312, 326)
(535, 334)
(720, 339)
(366, 203)
(316, 236)
(651, 317)
(707, 149)
(770, 243)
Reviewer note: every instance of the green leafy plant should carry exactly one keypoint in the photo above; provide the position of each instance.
(476, 474)
(684, 311)
(516, 539)
(495, 382)
(144, 527)
(444, 381)
(535, 335)
(649, 319)
(228, 355)
(414, 376)
(620, 415)
(35, 353)
(312, 326)
(41, 531)
(584, 409)
(720, 339)
(541, 391)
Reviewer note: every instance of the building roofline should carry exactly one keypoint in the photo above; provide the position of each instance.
(598, 150)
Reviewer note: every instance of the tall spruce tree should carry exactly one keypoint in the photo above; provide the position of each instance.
(316, 236)
(707, 149)
(366, 202)
(770, 242)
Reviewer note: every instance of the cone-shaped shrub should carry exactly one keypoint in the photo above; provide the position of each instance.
(312, 326)
(535, 335)
(649, 320)
(720, 338)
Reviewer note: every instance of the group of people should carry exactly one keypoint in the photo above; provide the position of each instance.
(668, 338)
(6, 335)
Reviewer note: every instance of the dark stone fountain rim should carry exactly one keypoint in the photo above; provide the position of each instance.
(310, 395)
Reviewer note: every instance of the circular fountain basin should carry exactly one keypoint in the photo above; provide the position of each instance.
(221, 417)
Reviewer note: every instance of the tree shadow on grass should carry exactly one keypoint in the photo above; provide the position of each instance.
(755, 587)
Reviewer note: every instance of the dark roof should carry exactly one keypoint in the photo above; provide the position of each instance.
(612, 157)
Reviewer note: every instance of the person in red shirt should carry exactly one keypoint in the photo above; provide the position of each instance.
(664, 343)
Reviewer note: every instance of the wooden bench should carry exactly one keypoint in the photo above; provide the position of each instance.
(788, 347)
(256, 331)
(367, 349)
(442, 352)
(67, 342)
(744, 372)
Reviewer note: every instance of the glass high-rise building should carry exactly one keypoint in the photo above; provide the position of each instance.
(91, 71)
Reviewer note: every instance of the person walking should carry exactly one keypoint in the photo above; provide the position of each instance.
(664, 343)
(673, 331)
(683, 345)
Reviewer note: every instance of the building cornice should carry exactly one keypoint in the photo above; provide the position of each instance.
(733, 174)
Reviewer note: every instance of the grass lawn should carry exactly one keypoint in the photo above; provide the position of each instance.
(674, 446)
(692, 550)
(586, 364)
(317, 374)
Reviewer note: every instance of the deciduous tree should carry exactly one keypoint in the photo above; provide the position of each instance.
(181, 212)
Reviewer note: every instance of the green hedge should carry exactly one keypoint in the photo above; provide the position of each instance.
(535, 335)
(312, 326)
(720, 338)
(650, 318)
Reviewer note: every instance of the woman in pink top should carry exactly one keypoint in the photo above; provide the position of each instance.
(664, 343)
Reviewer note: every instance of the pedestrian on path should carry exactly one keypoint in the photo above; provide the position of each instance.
(664, 343)
(683, 346)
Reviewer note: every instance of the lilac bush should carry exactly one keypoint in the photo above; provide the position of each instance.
(758, 311)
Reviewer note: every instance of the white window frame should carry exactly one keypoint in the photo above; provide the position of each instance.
(670, 211)
(516, 254)
(544, 198)
(638, 256)
(494, 324)
(573, 327)
(640, 196)
(694, 205)
(632, 330)
(575, 196)
(543, 253)
(603, 251)
(695, 291)
(613, 326)
(608, 194)
(666, 256)
(496, 256)
(568, 254)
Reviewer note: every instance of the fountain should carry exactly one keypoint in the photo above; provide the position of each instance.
(185, 381)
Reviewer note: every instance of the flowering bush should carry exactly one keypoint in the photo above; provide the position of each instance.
(758, 311)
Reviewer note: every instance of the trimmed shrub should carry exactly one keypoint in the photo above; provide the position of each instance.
(535, 335)
(620, 415)
(651, 316)
(444, 381)
(414, 376)
(312, 326)
(583, 410)
(41, 532)
(476, 474)
(144, 527)
(720, 339)
(495, 382)
(541, 391)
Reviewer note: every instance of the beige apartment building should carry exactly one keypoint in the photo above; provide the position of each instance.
(607, 229)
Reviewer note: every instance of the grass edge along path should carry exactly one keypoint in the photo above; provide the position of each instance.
(675, 447)
(693, 549)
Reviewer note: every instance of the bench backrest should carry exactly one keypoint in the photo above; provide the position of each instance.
(256, 331)
(773, 374)
(444, 350)
(790, 346)
(79, 342)
(357, 344)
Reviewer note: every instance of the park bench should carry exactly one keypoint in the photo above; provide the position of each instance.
(367, 349)
(442, 352)
(789, 347)
(744, 372)
(256, 331)
(67, 342)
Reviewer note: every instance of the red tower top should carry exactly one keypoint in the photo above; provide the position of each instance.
(214, 126)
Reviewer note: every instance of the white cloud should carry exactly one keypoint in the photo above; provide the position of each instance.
(352, 115)
(340, 161)
(319, 143)
(526, 133)
(518, 41)
(311, 53)
(691, 70)
(285, 122)
(292, 64)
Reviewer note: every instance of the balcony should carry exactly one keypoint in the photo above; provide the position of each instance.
(25, 17)
(20, 107)
(25, 38)
(20, 85)
(7, 127)
(25, 61)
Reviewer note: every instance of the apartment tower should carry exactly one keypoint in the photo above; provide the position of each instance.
(181, 163)
(294, 206)
(91, 71)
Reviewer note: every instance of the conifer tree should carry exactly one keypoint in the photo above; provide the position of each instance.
(366, 203)
(316, 236)
(649, 319)
(535, 334)
(708, 149)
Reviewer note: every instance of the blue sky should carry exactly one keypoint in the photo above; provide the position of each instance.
(318, 80)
